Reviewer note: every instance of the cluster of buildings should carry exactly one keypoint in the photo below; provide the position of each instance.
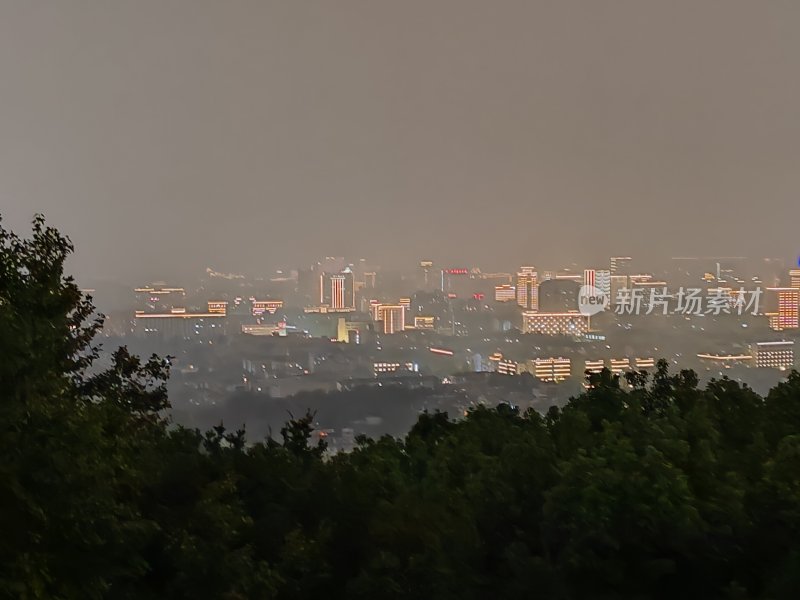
(434, 319)
(451, 336)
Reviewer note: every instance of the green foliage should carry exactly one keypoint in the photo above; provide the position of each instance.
(649, 487)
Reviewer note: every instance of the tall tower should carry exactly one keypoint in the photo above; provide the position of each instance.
(337, 290)
(787, 316)
(589, 277)
(788, 301)
(393, 317)
(528, 288)
(600, 279)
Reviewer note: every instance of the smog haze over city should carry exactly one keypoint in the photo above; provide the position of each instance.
(165, 138)
(400, 299)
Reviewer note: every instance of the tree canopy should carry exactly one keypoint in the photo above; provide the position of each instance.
(646, 487)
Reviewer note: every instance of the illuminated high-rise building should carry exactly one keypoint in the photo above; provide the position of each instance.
(787, 316)
(393, 317)
(505, 293)
(794, 278)
(602, 281)
(589, 277)
(375, 310)
(527, 289)
(337, 290)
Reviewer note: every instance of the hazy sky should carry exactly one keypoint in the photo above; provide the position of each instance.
(166, 136)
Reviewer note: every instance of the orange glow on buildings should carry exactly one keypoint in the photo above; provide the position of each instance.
(266, 306)
(527, 289)
(218, 307)
(505, 293)
(564, 323)
(393, 317)
(788, 305)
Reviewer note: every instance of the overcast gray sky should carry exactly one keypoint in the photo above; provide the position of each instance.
(165, 136)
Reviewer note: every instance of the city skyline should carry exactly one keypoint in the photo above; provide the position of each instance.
(400, 299)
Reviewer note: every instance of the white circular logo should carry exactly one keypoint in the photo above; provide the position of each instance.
(592, 300)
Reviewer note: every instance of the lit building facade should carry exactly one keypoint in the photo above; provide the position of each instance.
(393, 317)
(259, 307)
(218, 307)
(562, 323)
(177, 323)
(794, 278)
(552, 369)
(383, 368)
(338, 290)
(594, 366)
(505, 293)
(599, 279)
(620, 365)
(774, 355)
(527, 289)
(375, 310)
(424, 322)
(158, 298)
(506, 366)
(788, 306)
